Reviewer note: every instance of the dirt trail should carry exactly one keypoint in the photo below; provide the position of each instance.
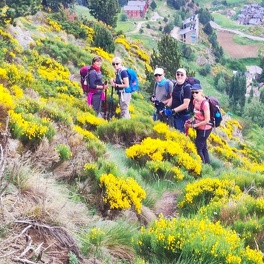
(155, 17)
(217, 27)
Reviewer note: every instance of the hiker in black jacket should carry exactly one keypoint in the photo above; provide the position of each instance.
(180, 101)
(96, 86)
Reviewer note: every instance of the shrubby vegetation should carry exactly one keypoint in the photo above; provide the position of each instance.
(123, 190)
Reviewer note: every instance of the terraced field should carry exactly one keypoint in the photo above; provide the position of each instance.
(235, 50)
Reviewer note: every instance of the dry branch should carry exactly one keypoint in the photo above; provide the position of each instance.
(26, 245)
(3, 155)
(56, 232)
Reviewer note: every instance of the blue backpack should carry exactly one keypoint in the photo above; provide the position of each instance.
(133, 80)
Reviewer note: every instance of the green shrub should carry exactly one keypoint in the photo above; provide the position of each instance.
(126, 131)
(73, 258)
(64, 152)
(108, 239)
(96, 148)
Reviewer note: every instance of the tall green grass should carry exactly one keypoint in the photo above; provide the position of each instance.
(83, 11)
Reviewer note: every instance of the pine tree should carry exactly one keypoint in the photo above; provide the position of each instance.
(168, 56)
(55, 5)
(237, 93)
(103, 37)
(105, 11)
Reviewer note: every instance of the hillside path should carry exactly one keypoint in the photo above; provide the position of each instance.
(155, 17)
(217, 27)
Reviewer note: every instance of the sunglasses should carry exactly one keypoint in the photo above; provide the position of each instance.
(179, 74)
(114, 64)
(158, 75)
(196, 92)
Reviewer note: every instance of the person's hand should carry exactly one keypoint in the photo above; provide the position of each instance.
(188, 124)
(168, 112)
(153, 98)
(112, 81)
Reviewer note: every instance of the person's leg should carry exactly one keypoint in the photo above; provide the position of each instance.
(206, 154)
(125, 99)
(97, 102)
(201, 146)
(170, 121)
(179, 122)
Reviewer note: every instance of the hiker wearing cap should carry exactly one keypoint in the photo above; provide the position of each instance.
(120, 83)
(96, 86)
(181, 96)
(162, 92)
(200, 122)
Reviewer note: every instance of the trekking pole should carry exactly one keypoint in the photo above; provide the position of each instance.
(105, 105)
(105, 102)
(110, 105)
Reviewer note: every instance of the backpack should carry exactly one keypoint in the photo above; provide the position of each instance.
(84, 73)
(192, 81)
(215, 110)
(133, 80)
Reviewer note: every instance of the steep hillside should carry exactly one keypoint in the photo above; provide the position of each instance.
(75, 188)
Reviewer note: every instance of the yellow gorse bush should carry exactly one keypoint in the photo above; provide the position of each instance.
(196, 239)
(89, 31)
(124, 42)
(17, 91)
(208, 190)
(6, 98)
(17, 74)
(52, 70)
(3, 74)
(121, 193)
(14, 43)
(176, 148)
(54, 25)
(29, 129)
(85, 133)
(101, 52)
(89, 119)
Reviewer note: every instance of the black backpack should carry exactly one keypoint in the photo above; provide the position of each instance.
(189, 81)
(215, 110)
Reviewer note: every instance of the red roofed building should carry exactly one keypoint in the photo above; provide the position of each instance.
(136, 9)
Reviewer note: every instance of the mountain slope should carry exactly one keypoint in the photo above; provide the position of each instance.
(55, 164)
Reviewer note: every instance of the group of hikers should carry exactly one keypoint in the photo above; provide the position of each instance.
(172, 100)
(97, 87)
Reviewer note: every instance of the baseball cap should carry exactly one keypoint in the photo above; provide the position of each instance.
(196, 86)
(158, 71)
(181, 70)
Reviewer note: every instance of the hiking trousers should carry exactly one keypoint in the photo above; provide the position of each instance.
(124, 101)
(97, 102)
(201, 144)
(179, 121)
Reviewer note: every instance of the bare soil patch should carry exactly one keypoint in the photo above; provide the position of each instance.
(236, 51)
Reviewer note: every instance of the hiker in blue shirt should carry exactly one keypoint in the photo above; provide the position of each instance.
(161, 94)
(120, 82)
